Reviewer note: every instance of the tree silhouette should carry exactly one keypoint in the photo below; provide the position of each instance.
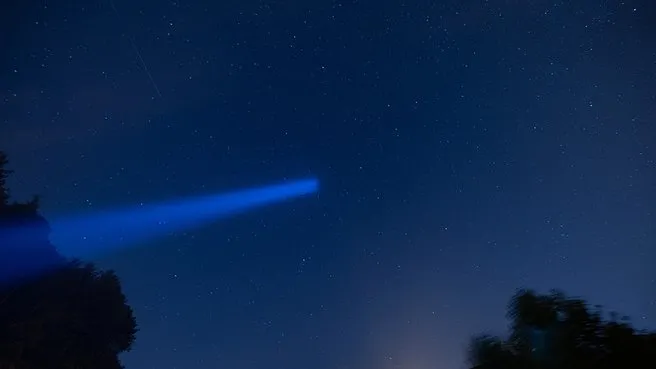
(4, 174)
(54, 313)
(554, 331)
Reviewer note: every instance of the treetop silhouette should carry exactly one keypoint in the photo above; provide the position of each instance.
(556, 331)
(54, 312)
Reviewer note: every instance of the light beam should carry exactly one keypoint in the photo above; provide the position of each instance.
(97, 233)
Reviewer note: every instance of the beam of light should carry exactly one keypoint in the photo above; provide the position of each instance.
(98, 233)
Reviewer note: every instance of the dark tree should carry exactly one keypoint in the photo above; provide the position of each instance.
(54, 313)
(4, 174)
(554, 331)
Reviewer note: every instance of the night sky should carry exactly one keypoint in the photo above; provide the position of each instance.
(464, 148)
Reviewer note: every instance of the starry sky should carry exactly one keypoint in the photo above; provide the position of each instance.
(464, 148)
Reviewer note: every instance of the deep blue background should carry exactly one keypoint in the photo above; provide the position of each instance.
(465, 149)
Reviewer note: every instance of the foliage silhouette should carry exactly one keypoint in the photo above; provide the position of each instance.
(555, 331)
(54, 313)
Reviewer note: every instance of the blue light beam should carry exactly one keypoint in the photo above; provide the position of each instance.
(97, 233)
